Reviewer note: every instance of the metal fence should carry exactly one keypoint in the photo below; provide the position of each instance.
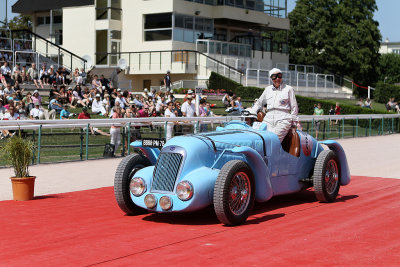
(72, 140)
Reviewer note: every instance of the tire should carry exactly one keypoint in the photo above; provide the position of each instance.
(125, 170)
(326, 177)
(229, 211)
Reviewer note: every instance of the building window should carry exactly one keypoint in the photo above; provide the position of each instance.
(396, 51)
(190, 28)
(158, 27)
(106, 9)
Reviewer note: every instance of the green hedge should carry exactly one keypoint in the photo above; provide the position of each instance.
(306, 104)
(384, 91)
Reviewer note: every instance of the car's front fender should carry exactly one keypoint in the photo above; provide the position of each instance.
(150, 152)
(260, 171)
(344, 166)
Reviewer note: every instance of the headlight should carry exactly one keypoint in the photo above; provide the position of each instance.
(165, 203)
(150, 201)
(137, 186)
(184, 190)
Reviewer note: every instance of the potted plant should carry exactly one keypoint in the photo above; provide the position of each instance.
(17, 151)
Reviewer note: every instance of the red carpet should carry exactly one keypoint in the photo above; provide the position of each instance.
(87, 228)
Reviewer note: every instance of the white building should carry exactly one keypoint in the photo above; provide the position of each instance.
(389, 47)
(190, 38)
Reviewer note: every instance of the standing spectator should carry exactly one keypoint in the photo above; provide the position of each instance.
(114, 77)
(337, 111)
(16, 74)
(188, 110)
(33, 75)
(331, 112)
(167, 81)
(115, 131)
(169, 113)
(318, 112)
(203, 113)
(98, 105)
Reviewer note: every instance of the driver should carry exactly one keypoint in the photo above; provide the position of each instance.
(282, 110)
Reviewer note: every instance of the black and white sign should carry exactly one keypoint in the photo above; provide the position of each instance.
(153, 142)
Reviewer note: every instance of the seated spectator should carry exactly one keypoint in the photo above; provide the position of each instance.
(6, 72)
(43, 75)
(51, 73)
(96, 83)
(3, 80)
(145, 93)
(33, 75)
(98, 105)
(8, 91)
(64, 114)
(76, 77)
(85, 115)
(137, 102)
(83, 74)
(37, 113)
(161, 104)
(368, 103)
(104, 82)
(226, 100)
(36, 98)
(63, 97)
(55, 104)
(11, 114)
(16, 74)
(360, 102)
(24, 76)
(107, 103)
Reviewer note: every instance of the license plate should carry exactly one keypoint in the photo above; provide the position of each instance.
(153, 142)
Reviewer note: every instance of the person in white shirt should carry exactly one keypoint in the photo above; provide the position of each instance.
(37, 113)
(282, 110)
(6, 71)
(161, 104)
(170, 113)
(16, 74)
(11, 115)
(98, 105)
(188, 108)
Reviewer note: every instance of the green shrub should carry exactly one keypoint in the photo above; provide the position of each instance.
(217, 81)
(384, 91)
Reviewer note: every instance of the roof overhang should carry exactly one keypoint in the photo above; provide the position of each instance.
(32, 6)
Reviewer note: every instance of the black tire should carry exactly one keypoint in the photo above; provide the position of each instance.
(125, 170)
(326, 177)
(229, 211)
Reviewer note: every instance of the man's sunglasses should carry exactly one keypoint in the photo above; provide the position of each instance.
(275, 76)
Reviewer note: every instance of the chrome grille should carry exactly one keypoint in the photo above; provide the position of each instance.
(166, 172)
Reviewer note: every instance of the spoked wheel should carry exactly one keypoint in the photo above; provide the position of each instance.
(326, 176)
(125, 171)
(234, 193)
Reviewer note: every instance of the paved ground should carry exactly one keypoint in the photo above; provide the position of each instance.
(368, 156)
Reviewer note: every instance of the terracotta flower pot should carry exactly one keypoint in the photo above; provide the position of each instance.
(23, 188)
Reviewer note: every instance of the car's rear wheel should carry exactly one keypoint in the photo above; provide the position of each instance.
(326, 177)
(125, 171)
(234, 193)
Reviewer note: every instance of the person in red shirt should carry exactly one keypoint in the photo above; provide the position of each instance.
(85, 115)
(337, 110)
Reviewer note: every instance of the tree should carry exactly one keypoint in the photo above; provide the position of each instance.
(389, 68)
(340, 36)
(20, 22)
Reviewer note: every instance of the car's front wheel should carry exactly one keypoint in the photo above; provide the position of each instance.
(326, 177)
(234, 193)
(125, 171)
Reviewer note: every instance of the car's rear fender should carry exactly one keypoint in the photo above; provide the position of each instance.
(151, 153)
(260, 171)
(344, 166)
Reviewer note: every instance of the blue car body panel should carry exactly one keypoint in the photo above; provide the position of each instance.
(275, 171)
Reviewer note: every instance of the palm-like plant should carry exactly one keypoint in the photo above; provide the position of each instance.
(18, 152)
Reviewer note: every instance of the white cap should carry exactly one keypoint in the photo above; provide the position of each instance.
(104, 87)
(168, 71)
(274, 71)
(119, 89)
(51, 67)
(190, 91)
(97, 95)
(36, 91)
(145, 89)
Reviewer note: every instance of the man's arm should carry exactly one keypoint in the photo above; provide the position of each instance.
(259, 104)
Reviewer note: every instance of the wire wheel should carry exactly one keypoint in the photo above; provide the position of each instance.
(234, 193)
(326, 177)
(240, 191)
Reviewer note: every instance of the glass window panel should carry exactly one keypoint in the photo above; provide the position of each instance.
(179, 21)
(230, 2)
(198, 1)
(209, 2)
(233, 49)
(212, 48)
(116, 4)
(57, 19)
(218, 49)
(250, 4)
(48, 20)
(188, 36)
(242, 50)
(202, 47)
(178, 34)
(116, 35)
(208, 25)
(158, 35)
(225, 49)
(40, 20)
(115, 14)
(155, 21)
(239, 3)
(101, 13)
(199, 22)
(101, 3)
(188, 23)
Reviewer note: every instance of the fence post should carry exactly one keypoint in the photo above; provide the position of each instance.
(343, 128)
(165, 130)
(357, 127)
(370, 122)
(392, 125)
(81, 145)
(383, 125)
(129, 138)
(39, 143)
(123, 141)
(87, 141)
(329, 128)
(33, 140)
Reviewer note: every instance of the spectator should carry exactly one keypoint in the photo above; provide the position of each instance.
(16, 74)
(360, 102)
(63, 97)
(51, 75)
(153, 93)
(120, 99)
(8, 91)
(64, 114)
(337, 111)
(77, 78)
(114, 77)
(21, 109)
(85, 115)
(167, 81)
(137, 102)
(392, 105)
(33, 75)
(24, 75)
(6, 72)
(105, 83)
(226, 99)
(161, 103)
(146, 93)
(331, 112)
(83, 74)
(38, 113)
(368, 103)
(11, 114)
(318, 112)
(44, 76)
(188, 110)
(98, 105)
(3, 80)
(55, 104)
(107, 103)
(36, 98)
(169, 113)
(203, 113)
(115, 131)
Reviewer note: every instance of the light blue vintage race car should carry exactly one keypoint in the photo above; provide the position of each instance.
(230, 169)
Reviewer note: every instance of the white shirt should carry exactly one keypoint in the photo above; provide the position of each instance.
(97, 104)
(188, 109)
(36, 112)
(169, 113)
(159, 103)
(121, 102)
(281, 103)
(8, 116)
(5, 70)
